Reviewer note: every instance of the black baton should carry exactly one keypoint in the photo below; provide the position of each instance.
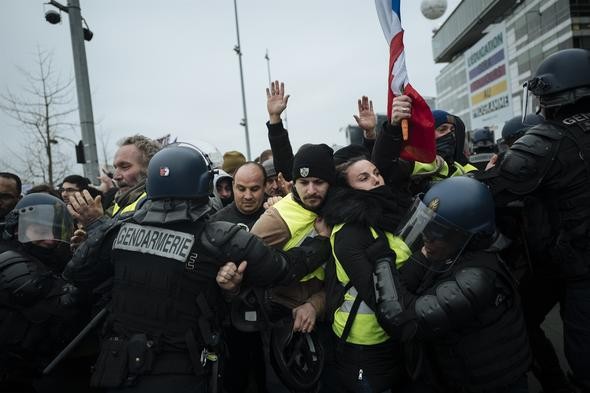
(75, 341)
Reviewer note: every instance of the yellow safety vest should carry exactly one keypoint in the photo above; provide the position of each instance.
(300, 223)
(439, 169)
(130, 207)
(365, 329)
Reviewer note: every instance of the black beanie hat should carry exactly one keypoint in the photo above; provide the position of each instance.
(314, 161)
(351, 151)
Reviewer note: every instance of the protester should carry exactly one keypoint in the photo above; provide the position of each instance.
(232, 160)
(272, 188)
(10, 193)
(414, 176)
(76, 183)
(222, 191)
(364, 357)
(246, 356)
(131, 161)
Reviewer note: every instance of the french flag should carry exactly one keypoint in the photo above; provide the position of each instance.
(420, 145)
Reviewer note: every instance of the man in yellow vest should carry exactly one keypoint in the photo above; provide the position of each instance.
(291, 220)
(131, 162)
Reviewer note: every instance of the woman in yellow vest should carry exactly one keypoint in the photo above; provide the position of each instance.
(365, 358)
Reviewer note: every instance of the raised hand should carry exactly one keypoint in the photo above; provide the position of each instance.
(84, 208)
(276, 101)
(366, 118)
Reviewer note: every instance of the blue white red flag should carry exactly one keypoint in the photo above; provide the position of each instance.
(420, 145)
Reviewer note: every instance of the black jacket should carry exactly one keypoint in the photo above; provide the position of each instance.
(467, 316)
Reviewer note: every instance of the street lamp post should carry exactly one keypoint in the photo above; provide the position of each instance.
(78, 34)
(267, 57)
(238, 51)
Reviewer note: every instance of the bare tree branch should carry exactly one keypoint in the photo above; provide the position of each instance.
(44, 110)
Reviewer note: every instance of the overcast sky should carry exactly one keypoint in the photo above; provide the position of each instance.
(159, 67)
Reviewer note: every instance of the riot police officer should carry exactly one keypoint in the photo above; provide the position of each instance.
(37, 313)
(453, 301)
(162, 332)
(550, 162)
(483, 147)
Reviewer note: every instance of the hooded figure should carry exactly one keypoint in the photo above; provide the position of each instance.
(222, 190)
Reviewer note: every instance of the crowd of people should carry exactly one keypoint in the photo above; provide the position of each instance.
(312, 271)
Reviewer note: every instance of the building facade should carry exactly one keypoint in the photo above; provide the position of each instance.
(492, 47)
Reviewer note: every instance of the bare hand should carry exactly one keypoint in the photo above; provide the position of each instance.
(229, 277)
(276, 101)
(492, 162)
(304, 318)
(401, 108)
(285, 185)
(271, 201)
(78, 238)
(366, 118)
(84, 209)
(322, 228)
(106, 183)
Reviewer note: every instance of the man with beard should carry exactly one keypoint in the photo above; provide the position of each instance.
(131, 162)
(291, 220)
(272, 187)
(38, 314)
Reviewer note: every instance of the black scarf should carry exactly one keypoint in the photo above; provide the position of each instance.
(378, 208)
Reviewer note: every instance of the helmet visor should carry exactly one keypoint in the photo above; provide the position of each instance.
(438, 238)
(44, 222)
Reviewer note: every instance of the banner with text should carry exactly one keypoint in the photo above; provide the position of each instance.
(487, 80)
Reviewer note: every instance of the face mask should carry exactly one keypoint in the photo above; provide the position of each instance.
(446, 146)
(54, 258)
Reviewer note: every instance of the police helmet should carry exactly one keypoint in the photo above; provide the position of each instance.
(179, 171)
(516, 127)
(464, 202)
(39, 217)
(482, 136)
(298, 358)
(562, 78)
(454, 211)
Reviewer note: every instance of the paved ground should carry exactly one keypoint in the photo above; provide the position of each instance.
(554, 330)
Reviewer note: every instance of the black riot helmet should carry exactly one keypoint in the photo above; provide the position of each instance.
(39, 217)
(452, 214)
(516, 127)
(482, 140)
(562, 78)
(298, 358)
(179, 171)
